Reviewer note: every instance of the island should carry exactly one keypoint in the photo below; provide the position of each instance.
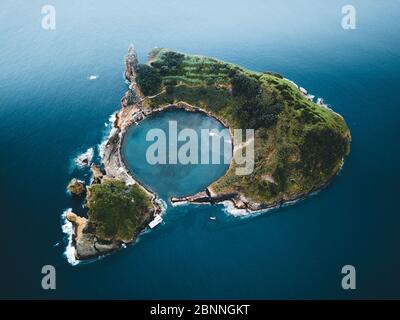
(300, 145)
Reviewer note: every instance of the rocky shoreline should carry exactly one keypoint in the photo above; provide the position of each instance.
(86, 244)
(240, 204)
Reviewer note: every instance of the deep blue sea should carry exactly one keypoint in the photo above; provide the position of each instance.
(50, 112)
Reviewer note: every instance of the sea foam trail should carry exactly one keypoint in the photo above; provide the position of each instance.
(68, 229)
(163, 205)
(107, 134)
(230, 209)
(84, 159)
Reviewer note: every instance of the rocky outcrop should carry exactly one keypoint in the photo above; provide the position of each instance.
(85, 158)
(130, 98)
(86, 244)
(201, 197)
(76, 187)
(83, 242)
(131, 61)
(79, 223)
(97, 173)
(239, 201)
(207, 196)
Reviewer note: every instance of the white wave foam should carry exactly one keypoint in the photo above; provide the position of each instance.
(243, 213)
(108, 133)
(93, 77)
(85, 159)
(320, 101)
(68, 229)
(303, 90)
(112, 117)
(163, 205)
(232, 210)
(180, 203)
(292, 202)
(101, 148)
(292, 82)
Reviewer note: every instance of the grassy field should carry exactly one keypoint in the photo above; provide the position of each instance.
(299, 145)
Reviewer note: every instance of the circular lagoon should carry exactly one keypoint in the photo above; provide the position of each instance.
(176, 152)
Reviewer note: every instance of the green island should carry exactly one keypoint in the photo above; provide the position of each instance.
(116, 213)
(299, 145)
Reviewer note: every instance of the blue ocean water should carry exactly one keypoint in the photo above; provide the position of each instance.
(50, 112)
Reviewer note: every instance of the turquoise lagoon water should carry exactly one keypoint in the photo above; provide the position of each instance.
(50, 112)
(176, 179)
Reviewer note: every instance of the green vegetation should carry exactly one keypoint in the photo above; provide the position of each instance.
(148, 79)
(299, 145)
(116, 211)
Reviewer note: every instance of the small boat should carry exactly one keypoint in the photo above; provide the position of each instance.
(156, 221)
(213, 218)
(92, 77)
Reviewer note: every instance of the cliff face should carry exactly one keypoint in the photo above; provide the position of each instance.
(87, 245)
(131, 61)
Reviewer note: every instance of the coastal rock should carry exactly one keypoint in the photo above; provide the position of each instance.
(208, 196)
(97, 173)
(85, 158)
(106, 247)
(83, 242)
(84, 247)
(131, 61)
(130, 98)
(78, 222)
(76, 187)
(87, 245)
(239, 204)
(201, 197)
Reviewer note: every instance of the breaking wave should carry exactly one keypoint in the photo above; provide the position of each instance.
(68, 229)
